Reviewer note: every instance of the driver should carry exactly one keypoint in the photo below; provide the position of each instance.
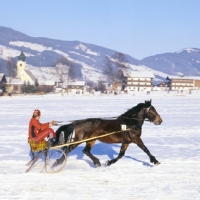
(38, 131)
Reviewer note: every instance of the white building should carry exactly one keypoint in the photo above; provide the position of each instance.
(77, 87)
(138, 81)
(184, 82)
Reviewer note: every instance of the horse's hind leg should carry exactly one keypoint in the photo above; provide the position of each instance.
(86, 151)
(121, 154)
(139, 142)
(66, 150)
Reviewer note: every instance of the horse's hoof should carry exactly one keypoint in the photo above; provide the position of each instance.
(98, 165)
(157, 163)
(107, 163)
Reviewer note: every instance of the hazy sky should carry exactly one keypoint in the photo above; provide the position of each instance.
(139, 28)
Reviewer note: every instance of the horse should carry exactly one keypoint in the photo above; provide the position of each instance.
(133, 120)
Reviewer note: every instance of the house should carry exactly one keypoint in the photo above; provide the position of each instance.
(2, 83)
(46, 86)
(14, 86)
(184, 82)
(77, 87)
(116, 87)
(138, 81)
(164, 85)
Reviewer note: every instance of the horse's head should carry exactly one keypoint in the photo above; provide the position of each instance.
(152, 114)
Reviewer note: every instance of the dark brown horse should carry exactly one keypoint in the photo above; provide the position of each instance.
(133, 119)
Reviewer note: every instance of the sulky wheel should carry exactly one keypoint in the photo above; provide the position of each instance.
(51, 157)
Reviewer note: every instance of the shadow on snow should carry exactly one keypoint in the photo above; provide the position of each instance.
(101, 149)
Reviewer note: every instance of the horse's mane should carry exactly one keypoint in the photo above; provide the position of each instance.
(133, 110)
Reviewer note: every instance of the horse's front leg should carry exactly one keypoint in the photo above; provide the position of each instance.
(121, 154)
(140, 144)
(86, 151)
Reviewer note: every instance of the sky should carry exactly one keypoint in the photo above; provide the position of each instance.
(139, 28)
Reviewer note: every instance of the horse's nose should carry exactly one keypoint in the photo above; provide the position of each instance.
(158, 120)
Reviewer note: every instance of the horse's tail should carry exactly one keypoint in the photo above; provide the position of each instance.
(67, 130)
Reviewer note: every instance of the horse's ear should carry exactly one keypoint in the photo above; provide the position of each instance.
(148, 103)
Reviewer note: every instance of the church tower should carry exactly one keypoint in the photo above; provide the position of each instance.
(21, 63)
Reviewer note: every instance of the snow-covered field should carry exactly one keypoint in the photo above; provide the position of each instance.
(175, 143)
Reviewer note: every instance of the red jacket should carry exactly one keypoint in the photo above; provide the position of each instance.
(35, 127)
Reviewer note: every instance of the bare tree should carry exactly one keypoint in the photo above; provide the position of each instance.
(11, 69)
(1, 68)
(109, 70)
(101, 86)
(74, 71)
(90, 85)
(62, 73)
(120, 60)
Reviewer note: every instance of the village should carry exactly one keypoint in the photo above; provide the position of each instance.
(133, 81)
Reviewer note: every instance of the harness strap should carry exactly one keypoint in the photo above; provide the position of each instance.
(136, 118)
(123, 133)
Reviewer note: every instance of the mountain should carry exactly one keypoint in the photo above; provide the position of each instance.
(41, 53)
(185, 61)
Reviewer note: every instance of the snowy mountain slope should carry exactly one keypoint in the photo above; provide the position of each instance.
(43, 52)
(186, 61)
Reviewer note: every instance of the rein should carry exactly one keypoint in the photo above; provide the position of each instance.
(57, 123)
(89, 139)
(136, 118)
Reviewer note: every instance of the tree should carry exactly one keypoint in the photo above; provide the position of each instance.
(114, 66)
(90, 85)
(62, 73)
(101, 86)
(74, 69)
(1, 68)
(120, 60)
(11, 69)
(27, 88)
(109, 70)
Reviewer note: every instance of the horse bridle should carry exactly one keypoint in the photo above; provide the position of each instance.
(155, 116)
(136, 118)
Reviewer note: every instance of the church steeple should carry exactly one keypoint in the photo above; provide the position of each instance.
(22, 57)
(21, 63)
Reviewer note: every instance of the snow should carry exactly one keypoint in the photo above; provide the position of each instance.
(140, 74)
(82, 83)
(37, 47)
(6, 52)
(90, 72)
(89, 51)
(79, 54)
(144, 68)
(81, 46)
(189, 50)
(175, 143)
(33, 46)
(63, 54)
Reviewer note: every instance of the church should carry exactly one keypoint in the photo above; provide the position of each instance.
(22, 73)
(24, 76)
